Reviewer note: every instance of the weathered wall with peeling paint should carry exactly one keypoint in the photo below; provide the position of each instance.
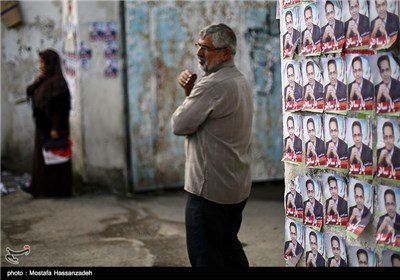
(106, 120)
(102, 101)
(160, 43)
(97, 118)
(41, 29)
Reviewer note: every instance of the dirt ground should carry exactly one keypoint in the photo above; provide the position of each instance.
(146, 230)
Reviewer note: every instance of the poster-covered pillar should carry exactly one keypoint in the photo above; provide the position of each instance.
(72, 75)
(341, 119)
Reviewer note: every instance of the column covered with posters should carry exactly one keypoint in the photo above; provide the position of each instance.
(341, 132)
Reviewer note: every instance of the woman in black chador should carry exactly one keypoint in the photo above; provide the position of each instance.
(51, 104)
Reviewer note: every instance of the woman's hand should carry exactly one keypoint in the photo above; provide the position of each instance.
(54, 134)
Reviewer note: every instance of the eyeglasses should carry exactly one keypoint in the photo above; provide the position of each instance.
(208, 49)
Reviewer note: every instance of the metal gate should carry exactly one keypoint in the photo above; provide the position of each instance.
(160, 37)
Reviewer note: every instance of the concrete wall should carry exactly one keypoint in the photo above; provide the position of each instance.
(41, 28)
(110, 119)
(103, 117)
(97, 118)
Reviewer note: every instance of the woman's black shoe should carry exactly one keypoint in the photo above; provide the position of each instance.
(28, 189)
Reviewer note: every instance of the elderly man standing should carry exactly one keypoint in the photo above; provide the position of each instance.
(216, 118)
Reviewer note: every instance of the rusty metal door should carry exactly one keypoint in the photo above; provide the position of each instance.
(160, 37)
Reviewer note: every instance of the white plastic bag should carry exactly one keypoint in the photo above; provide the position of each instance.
(51, 158)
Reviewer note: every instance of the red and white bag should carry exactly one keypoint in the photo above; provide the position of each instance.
(59, 155)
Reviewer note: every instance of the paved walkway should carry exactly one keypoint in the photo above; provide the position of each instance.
(144, 230)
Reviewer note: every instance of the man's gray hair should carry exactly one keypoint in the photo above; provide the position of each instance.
(222, 36)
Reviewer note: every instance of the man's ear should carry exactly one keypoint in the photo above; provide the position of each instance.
(227, 54)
